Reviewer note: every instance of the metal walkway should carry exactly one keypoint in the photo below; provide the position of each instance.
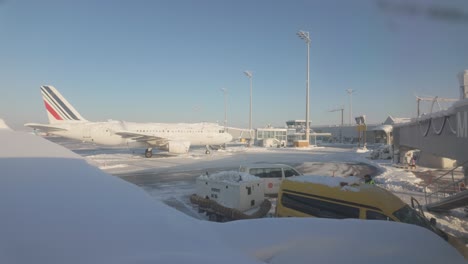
(452, 202)
(446, 192)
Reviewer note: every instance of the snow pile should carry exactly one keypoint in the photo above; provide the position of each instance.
(397, 180)
(337, 167)
(229, 176)
(453, 222)
(352, 188)
(328, 181)
(362, 150)
(108, 167)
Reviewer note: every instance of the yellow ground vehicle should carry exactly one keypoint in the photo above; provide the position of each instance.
(337, 197)
(304, 196)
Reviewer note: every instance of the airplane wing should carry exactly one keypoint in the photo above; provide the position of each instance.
(45, 128)
(140, 137)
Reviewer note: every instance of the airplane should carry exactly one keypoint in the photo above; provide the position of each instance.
(65, 121)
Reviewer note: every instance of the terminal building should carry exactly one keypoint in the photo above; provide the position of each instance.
(289, 136)
(346, 134)
(294, 131)
(374, 133)
(271, 137)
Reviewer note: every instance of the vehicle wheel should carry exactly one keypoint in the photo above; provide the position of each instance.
(212, 217)
(207, 152)
(148, 154)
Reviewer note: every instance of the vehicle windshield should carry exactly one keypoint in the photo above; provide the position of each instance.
(410, 216)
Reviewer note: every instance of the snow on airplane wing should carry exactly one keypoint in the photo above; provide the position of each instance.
(45, 128)
(304, 240)
(140, 137)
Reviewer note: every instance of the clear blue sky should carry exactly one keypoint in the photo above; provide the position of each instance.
(166, 61)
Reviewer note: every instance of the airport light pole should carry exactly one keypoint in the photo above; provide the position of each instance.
(225, 107)
(350, 92)
(305, 36)
(249, 75)
(341, 128)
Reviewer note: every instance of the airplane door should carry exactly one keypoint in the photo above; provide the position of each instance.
(86, 133)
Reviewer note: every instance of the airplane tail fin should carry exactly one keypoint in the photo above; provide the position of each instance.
(58, 108)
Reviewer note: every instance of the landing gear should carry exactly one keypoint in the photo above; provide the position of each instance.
(149, 152)
(207, 151)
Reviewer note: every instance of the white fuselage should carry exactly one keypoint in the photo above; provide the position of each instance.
(103, 133)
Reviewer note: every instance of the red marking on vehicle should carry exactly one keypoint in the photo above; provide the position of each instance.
(270, 185)
(52, 111)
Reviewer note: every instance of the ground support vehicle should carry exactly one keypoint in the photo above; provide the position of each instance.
(230, 195)
(347, 197)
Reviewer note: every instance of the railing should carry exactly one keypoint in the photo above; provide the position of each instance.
(441, 187)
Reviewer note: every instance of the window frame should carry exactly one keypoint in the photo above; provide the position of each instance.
(385, 217)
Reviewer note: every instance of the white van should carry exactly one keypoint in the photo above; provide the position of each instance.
(271, 174)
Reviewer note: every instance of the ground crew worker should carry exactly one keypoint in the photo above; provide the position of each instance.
(368, 179)
(413, 162)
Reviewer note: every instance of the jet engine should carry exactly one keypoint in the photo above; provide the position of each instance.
(177, 147)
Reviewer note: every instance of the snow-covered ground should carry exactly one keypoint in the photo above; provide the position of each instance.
(171, 178)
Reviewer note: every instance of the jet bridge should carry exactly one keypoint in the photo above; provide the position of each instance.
(443, 134)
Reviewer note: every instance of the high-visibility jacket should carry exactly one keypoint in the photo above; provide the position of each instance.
(371, 181)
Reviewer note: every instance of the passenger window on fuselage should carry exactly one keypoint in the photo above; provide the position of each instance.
(318, 208)
(371, 215)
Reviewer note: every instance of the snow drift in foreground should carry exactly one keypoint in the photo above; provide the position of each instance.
(58, 209)
(319, 240)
